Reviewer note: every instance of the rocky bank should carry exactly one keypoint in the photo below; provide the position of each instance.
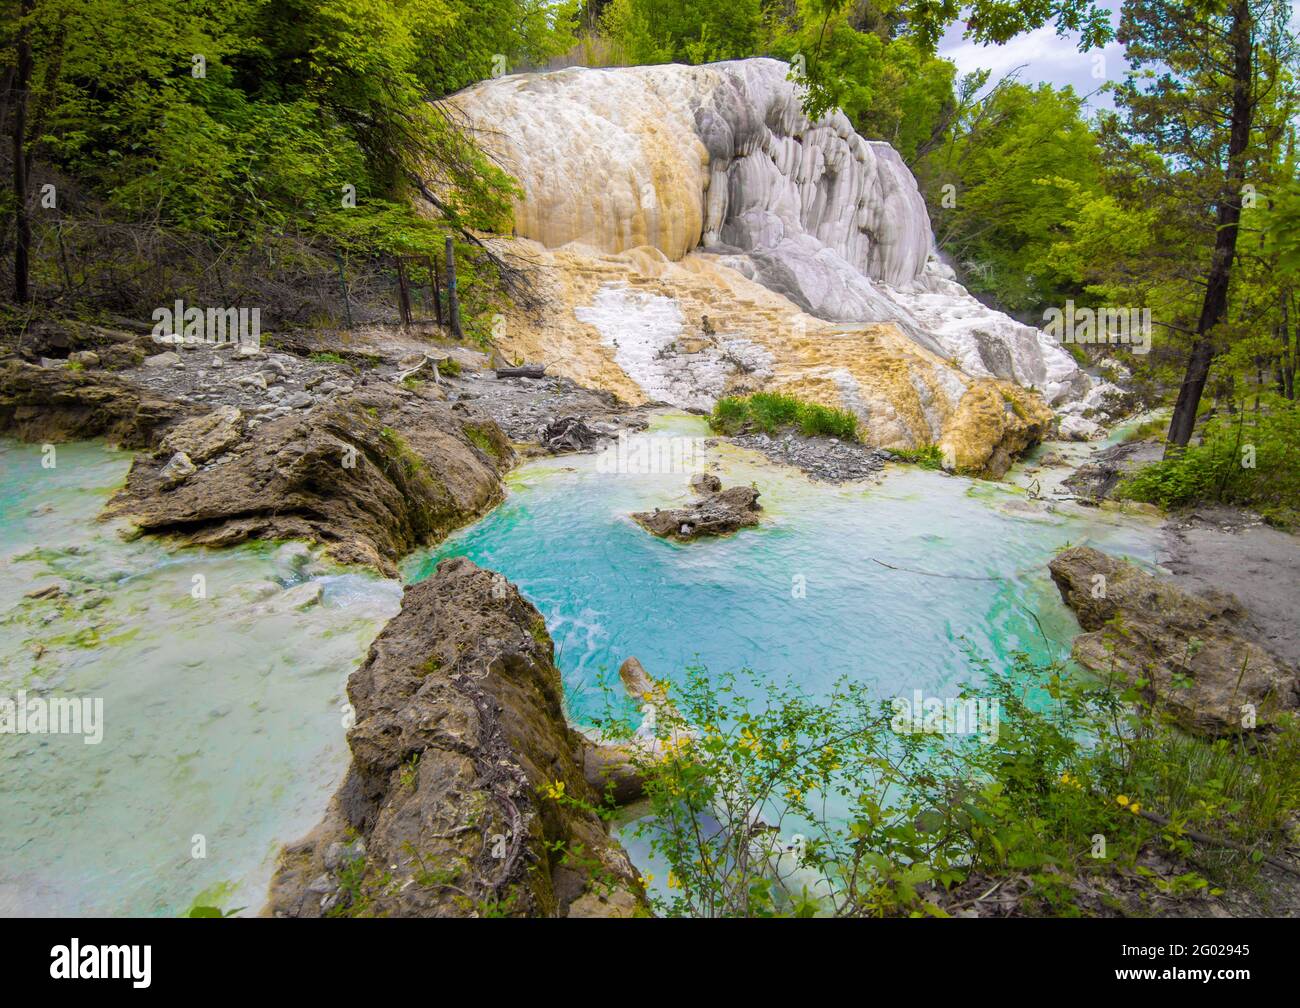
(466, 795)
(1192, 653)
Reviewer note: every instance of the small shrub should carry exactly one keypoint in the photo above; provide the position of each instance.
(927, 456)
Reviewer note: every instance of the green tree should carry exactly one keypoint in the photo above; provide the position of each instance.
(1016, 168)
(1191, 134)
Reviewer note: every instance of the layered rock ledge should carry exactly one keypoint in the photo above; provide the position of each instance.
(459, 749)
(1191, 654)
(364, 443)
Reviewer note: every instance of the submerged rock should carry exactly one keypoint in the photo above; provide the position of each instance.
(714, 514)
(460, 750)
(1190, 649)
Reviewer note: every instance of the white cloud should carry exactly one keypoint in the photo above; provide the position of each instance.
(1044, 56)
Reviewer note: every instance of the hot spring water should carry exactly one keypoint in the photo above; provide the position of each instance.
(223, 730)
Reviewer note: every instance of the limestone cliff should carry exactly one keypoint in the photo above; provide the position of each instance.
(696, 235)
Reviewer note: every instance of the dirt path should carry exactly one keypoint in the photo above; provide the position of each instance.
(1216, 547)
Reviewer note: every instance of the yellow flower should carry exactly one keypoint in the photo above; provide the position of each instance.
(646, 880)
(1135, 808)
(1123, 800)
(672, 881)
(555, 790)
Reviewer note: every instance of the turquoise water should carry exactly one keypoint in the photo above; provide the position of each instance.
(609, 590)
(221, 716)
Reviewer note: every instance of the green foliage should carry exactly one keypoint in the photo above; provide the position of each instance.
(891, 89)
(686, 31)
(1022, 165)
(772, 411)
(764, 801)
(298, 129)
(927, 456)
(1250, 458)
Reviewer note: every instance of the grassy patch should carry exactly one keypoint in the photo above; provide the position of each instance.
(773, 411)
(927, 456)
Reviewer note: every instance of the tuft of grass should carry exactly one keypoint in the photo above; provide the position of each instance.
(773, 411)
(326, 358)
(1148, 429)
(449, 368)
(927, 456)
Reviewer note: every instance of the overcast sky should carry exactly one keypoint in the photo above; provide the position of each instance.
(1045, 57)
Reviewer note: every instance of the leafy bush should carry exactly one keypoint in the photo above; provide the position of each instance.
(772, 411)
(764, 801)
(1252, 458)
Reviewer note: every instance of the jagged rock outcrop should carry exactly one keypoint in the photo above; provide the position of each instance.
(1097, 479)
(372, 475)
(1190, 649)
(806, 247)
(995, 423)
(459, 748)
(567, 434)
(716, 513)
(60, 404)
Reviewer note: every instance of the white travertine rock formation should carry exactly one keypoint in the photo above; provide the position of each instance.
(719, 162)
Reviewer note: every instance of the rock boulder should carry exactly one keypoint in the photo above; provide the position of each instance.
(1188, 649)
(713, 514)
(466, 795)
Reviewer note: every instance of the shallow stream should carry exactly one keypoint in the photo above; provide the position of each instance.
(223, 714)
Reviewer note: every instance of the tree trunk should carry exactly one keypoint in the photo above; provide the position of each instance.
(453, 295)
(22, 84)
(1215, 304)
(403, 293)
